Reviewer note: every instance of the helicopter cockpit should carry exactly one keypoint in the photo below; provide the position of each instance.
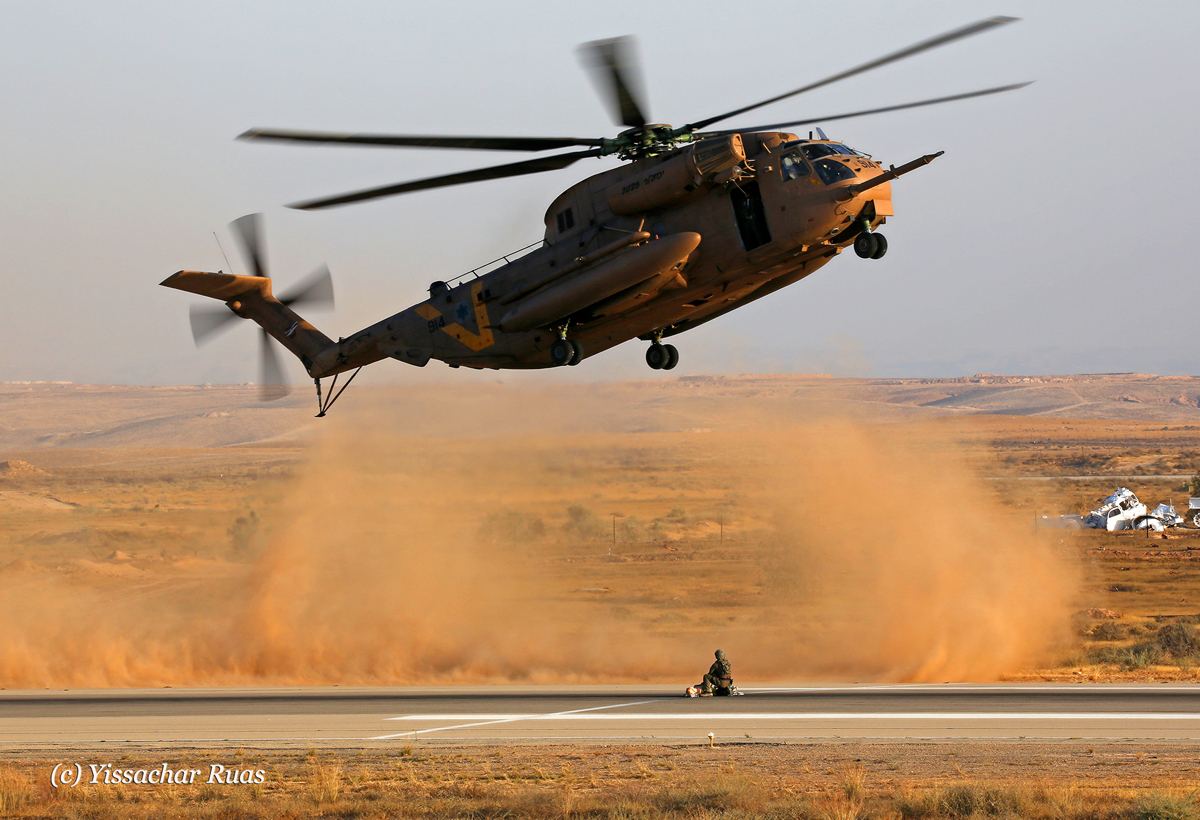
(794, 166)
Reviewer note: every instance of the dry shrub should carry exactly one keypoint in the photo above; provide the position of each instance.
(17, 790)
(1129, 658)
(715, 793)
(1162, 805)
(970, 799)
(838, 807)
(325, 784)
(1108, 631)
(915, 804)
(1178, 639)
(853, 780)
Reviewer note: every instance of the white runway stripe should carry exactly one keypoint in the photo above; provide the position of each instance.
(812, 716)
(508, 719)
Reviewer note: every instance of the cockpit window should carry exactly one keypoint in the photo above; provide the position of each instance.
(793, 165)
(816, 150)
(831, 171)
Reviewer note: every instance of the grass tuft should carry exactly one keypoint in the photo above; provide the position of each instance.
(1166, 806)
(325, 785)
(853, 779)
(16, 791)
(718, 793)
(970, 800)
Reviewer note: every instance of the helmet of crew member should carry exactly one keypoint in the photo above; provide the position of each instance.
(720, 654)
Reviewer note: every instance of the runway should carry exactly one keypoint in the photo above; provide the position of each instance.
(358, 717)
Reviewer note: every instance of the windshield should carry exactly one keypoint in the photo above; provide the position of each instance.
(831, 171)
(816, 150)
(793, 165)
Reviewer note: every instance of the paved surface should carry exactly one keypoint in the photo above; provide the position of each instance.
(367, 717)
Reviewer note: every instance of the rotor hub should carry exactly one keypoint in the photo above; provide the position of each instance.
(645, 141)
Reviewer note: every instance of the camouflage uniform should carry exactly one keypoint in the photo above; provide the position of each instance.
(720, 676)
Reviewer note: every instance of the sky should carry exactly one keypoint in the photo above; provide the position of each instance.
(1054, 236)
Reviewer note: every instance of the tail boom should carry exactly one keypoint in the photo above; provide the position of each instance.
(250, 297)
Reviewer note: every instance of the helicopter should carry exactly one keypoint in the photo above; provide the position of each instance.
(694, 224)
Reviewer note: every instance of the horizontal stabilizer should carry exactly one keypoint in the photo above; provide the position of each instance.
(223, 286)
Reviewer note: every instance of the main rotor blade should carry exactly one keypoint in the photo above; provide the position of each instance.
(777, 125)
(926, 45)
(207, 321)
(271, 385)
(315, 289)
(617, 73)
(417, 141)
(529, 166)
(248, 230)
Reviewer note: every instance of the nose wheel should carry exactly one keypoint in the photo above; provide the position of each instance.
(566, 351)
(870, 245)
(662, 357)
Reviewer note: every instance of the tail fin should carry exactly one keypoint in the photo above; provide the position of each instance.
(250, 297)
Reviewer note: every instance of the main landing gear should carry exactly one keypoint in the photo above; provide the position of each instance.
(870, 245)
(662, 357)
(566, 351)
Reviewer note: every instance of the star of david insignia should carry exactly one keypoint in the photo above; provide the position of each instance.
(462, 312)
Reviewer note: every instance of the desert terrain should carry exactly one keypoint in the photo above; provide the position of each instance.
(780, 514)
(818, 529)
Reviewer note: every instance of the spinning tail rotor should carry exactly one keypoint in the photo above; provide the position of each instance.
(315, 290)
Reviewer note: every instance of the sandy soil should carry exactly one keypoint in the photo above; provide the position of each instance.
(413, 536)
(933, 780)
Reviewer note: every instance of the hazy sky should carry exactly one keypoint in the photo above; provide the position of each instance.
(1054, 235)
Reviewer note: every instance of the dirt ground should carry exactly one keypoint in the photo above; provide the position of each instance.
(610, 512)
(188, 536)
(803, 780)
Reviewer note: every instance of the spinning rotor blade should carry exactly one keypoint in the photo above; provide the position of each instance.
(316, 289)
(271, 384)
(414, 141)
(248, 230)
(207, 321)
(926, 45)
(810, 120)
(529, 166)
(617, 73)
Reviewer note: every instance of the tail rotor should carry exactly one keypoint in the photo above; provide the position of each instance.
(315, 290)
(272, 384)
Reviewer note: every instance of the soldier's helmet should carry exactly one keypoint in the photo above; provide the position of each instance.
(720, 654)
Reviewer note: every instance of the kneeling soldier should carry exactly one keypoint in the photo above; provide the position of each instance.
(720, 674)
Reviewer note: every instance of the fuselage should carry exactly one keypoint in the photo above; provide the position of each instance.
(769, 209)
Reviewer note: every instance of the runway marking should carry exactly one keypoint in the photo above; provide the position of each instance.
(486, 720)
(483, 720)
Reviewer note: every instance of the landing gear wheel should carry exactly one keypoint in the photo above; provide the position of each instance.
(561, 352)
(880, 246)
(576, 353)
(865, 245)
(672, 357)
(657, 356)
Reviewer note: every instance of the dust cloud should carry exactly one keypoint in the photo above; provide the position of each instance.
(904, 563)
(863, 554)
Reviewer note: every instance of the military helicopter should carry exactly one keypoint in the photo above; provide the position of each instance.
(694, 224)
